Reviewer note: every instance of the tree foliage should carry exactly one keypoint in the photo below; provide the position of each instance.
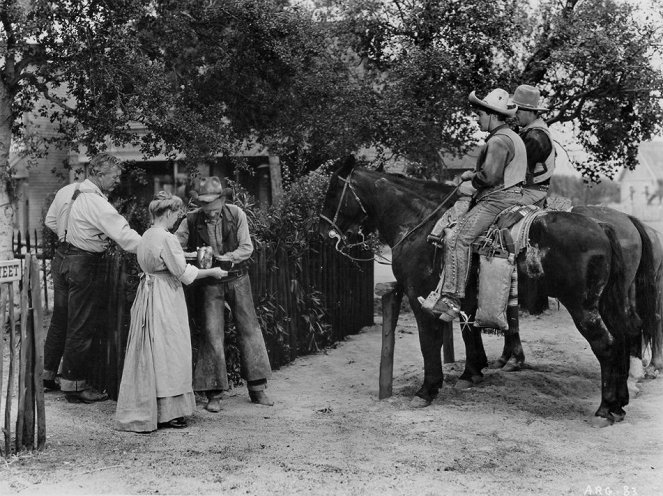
(209, 77)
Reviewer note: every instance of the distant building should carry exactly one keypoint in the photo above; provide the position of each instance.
(643, 186)
(36, 182)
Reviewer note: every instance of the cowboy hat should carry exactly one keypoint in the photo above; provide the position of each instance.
(527, 98)
(495, 101)
(210, 189)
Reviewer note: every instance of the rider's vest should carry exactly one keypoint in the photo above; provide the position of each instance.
(514, 172)
(542, 170)
(198, 235)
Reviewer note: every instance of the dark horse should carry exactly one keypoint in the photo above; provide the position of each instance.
(642, 276)
(575, 258)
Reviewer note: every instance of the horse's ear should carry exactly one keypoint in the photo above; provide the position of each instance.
(347, 164)
(381, 183)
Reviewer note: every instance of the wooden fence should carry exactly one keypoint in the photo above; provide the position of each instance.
(346, 287)
(23, 244)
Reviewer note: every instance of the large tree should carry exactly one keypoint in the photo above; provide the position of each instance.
(594, 60)
(72, 61)
(196, 76)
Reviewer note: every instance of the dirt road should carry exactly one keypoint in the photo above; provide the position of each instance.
(522, 433)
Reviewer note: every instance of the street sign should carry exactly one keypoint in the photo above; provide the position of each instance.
(10, 270)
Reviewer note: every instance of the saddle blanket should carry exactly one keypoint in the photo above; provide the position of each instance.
(518, 219)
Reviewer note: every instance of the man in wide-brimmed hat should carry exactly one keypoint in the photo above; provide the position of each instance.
(496, 184)
(538, 143)
(224, 228)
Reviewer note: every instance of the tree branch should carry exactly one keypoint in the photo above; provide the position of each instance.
(536, 66)
(43, 88)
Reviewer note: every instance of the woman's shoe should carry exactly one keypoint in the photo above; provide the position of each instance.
(177, 423)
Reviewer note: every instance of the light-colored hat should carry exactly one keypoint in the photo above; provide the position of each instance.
(495, 101)
(527, 98)
(209, 190)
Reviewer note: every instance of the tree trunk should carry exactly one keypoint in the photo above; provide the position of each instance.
(6, 201)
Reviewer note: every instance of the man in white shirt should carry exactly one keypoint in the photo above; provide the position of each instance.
(224, 228)
(84, 221)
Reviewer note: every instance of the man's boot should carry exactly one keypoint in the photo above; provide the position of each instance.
(260, 398)
(213, 402)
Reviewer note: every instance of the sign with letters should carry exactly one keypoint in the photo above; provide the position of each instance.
(10, 270)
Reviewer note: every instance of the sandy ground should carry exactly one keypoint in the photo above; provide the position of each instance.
(528, 432)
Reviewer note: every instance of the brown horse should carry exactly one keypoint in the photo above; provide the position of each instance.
(578, 261)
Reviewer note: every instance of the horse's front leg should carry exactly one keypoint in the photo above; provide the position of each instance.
(430, 341)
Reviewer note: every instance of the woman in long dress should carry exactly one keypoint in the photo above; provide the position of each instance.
(156, 388)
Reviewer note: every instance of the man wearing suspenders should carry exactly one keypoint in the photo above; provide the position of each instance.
(84, 221)
(538, 143)
(496, 184)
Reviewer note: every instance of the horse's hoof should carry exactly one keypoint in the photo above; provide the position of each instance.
(463, 384)
(618, 416)
(600, 422)
(651, 372)
(418, 402)
(512, 366)
(498, 364)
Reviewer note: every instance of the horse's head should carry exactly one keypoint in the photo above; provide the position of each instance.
(343, 212)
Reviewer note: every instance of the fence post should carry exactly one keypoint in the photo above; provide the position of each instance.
(38, 341)
(3, 314)
(12, 364)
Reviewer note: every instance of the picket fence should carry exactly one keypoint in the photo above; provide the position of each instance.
(346, 287)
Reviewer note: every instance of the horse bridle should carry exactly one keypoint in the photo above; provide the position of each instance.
(336, 232)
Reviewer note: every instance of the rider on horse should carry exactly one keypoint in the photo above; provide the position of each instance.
(495, 185)
(538, 143)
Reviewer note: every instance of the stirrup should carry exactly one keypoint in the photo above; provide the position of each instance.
(435, 240)
(428, 303)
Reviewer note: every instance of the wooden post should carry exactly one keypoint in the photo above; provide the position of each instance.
(38, 340)
(12, 364)
(275, 179)
(448, 342)
(2, 342)
(29, 398)
(23, 361)
(391, 305)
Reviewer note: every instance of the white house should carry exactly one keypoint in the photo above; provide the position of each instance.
(643, 187)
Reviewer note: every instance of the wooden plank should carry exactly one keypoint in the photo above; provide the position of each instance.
(29, 400)
(12, 367)
(22, 363)
(39, 339)
(3, 293)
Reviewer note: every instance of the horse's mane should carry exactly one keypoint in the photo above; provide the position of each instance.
(429, 190)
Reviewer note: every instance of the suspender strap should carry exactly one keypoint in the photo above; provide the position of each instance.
(77, 191)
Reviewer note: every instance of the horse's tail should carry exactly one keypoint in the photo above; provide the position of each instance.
(646, 290)
(613, 299)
